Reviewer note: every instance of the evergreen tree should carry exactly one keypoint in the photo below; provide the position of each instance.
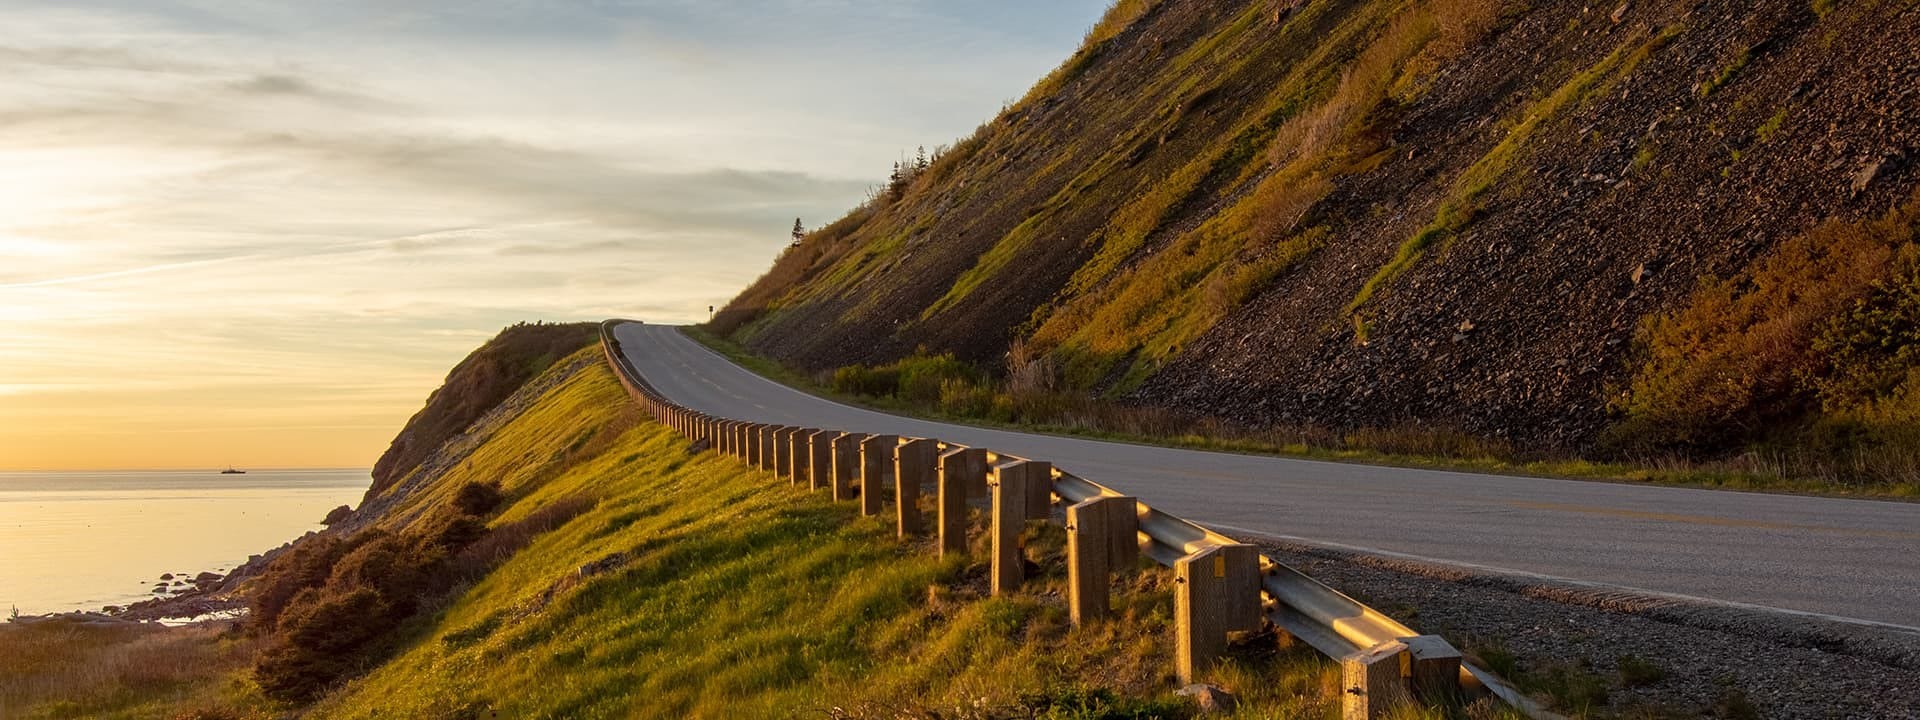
(799, 231)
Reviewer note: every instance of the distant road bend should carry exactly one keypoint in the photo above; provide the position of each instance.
(1850, 559)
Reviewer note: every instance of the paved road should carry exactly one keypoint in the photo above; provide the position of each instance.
(1856, 559)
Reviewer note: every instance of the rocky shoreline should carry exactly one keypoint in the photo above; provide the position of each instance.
(180, 600)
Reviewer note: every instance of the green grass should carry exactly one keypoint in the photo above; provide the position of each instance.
(741, 596)
(1437, 451)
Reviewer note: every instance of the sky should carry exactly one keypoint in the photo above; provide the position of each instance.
(260, 232)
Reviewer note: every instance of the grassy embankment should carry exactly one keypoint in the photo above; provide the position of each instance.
(737, 595)
(970, 395)
(713, 592)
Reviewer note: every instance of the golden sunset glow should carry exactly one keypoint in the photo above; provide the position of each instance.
(260, 234)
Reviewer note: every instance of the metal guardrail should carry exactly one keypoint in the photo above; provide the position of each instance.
(1326, 619)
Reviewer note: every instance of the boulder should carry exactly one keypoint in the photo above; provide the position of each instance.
(1209, 698)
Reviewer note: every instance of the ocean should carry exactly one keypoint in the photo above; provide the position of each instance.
(84, 540)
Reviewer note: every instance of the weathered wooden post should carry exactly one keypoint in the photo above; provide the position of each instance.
(783, 451)
(1102, 536)
(802, 454)
(767, 452)
(820, 459)
(1375, 680)
(1217, 591)
(750, 444)
(846, 464)
(959, 469)
(1394, 673)
(1011, 484)
(914, 464)
(876, 463)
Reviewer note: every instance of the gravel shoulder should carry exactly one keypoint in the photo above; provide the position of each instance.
(1607, 652)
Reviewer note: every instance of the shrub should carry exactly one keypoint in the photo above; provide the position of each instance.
(453, 532)
(319, 640)
(1818, 321)
(398, 570)
(921, 378)
(863, 380)
(305, 565)
(477, 498)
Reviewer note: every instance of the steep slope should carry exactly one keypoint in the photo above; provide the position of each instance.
(1472, 215)
(486, 377)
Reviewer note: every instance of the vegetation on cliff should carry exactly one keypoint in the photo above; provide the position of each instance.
(1472, 218)
(476, 385)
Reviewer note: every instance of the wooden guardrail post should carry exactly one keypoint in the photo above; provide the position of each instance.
(1375, 680)
(820, 458)
(750, 444)
(876, 464)
(800, 455)
(1217, 591)
(958, 472)
(1102, 536)
(720, 435)
(846, 464)
(782, 452)
(1012, 491)
(913, 465)
(1436, 668)
(767, 447)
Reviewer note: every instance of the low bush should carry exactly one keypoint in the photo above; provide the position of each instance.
(478, 498)
(331, 603)
(1813, 348)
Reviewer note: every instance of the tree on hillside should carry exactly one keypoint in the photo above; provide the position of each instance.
(799, 231)
(897, 182)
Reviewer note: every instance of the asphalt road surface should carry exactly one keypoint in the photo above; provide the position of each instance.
(1852, 559)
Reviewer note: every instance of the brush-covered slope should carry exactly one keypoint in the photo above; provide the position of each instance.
(1555, 223)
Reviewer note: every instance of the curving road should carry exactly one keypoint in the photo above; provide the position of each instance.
(1850, 559)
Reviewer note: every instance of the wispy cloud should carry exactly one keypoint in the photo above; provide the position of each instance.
(276, 224)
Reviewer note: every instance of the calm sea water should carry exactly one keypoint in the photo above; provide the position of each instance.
(83, 540)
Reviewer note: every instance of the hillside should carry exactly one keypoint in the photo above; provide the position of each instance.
(562, 556)
(1642, 228)
(486, 377)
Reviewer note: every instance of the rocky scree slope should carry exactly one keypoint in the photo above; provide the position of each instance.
(1520, 221)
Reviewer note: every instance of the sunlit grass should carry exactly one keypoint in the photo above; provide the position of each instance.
(64, 669)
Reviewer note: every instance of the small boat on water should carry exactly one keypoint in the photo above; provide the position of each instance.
(231, 471)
